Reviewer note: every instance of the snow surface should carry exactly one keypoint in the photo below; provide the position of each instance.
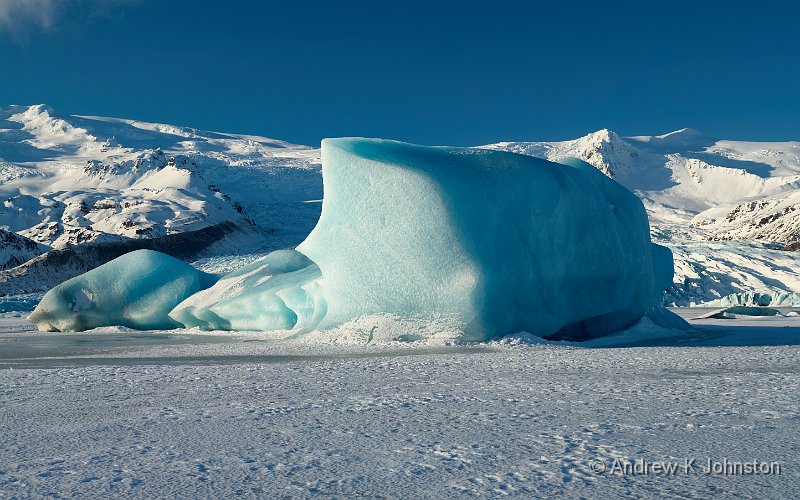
(119, 413)
(136, 290)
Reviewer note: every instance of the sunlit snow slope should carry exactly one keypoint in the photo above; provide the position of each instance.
(81, 190)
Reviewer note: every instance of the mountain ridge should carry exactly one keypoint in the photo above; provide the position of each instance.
(72, 180)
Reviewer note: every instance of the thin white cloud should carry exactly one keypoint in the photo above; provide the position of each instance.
(18, 17)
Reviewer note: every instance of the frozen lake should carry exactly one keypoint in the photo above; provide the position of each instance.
(132, 414)
(21, 346)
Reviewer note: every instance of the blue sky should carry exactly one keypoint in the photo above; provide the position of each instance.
(460, 73)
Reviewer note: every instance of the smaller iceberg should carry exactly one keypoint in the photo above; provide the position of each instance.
(277, 292)
(136, 290)
(736, 311)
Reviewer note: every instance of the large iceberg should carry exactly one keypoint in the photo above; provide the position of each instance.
(500, 241)
(491, 242)
(136, 290)
(496, 241)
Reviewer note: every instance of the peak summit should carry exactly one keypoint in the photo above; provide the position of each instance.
(605, 135)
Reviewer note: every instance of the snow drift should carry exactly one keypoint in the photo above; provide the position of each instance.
(494, 242)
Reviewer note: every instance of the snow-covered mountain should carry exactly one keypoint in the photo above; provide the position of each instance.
(78, 190)
(16, 250)
(702, 188)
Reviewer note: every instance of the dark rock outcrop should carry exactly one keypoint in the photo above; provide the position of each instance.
(56, 266)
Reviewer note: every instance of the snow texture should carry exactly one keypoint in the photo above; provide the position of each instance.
(136, 290)
(110, 414)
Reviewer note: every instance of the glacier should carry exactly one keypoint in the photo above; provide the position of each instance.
(136, 290)
(756, 299)
(493, 242)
